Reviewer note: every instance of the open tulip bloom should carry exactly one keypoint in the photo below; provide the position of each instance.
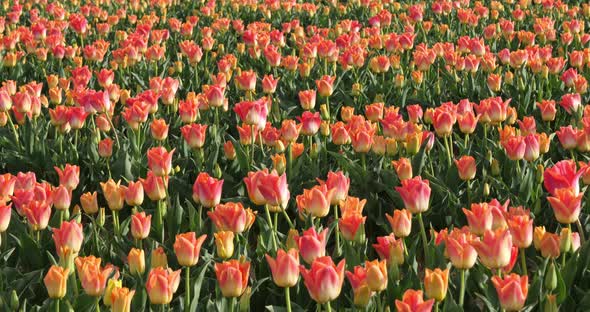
(294, 155)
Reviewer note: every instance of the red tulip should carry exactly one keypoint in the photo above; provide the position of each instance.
(285, 268)
(512, 291)
(253, 112)
(562, 175)
(269, 84)
(69, 235)
(105, 148)
(207, 190)
(390, 249)
(69, 176)
(246, 80)
(311, 245)
(194, 135)
(274, 189)
(415, 193)
(232, 277)
(310, 122)
(324, 279)
(566, 205)
(413, 301)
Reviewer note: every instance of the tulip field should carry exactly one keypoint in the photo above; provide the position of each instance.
(283, 155)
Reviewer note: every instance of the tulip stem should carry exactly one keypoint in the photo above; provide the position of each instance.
(116, 222)
(231, 304)
(14, 131)
(160, 220)
(57, 304)
(447, 147)
(187, 292)
(328, 307)
(337, 229)
(97, 304)
(436, 306)
(581, 231)
(523, 261)
(462, 289)
(270, 226)
(253, 140)
(423, 233)
(284, 211)
(288, 299)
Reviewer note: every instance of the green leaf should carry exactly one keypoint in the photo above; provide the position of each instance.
(197, 287)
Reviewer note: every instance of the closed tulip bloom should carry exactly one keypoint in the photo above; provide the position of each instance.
(538, 233)
(162, 284)
(121, 299)
(159, 129)
(113, 193)
(69, 234)
(403, 168)
(56, 281)
(436, 283)
(61, 198)
(37, 213)
(565, 240)
(207, 190)
(325, 85)
(360, 287)
(415, 193)
(7, 183)
(566, 205)
(136, 259)
(401, 222)
(154, 186)
(340, 184)
(133, 193)
(194, 135)
(515, 147)
(275, 190)
(253, 113)
(140, 225)
(479, 218)
(92, 277)
(376, 274)
(311, 245)
(349, 225)
(466, 168)
(232, 277)
(187, 248)
(229, 150)
(548, 110)
(390, 249)
(413, 301)
(229, 217)
(521, 229)
(69, 176)
(443, 121)
(459, 249)
(89, 202)
(315, 201)
(160, 160)
(285, 267)
(495, 248)
(105, 148)
(467, 122)
(549, 245)
(5, 213)
(158, 258)
(310, 122)
(512, 291)
(361, 140)
(324, 279)
(224, 241)
(253, 181)
(307, 99)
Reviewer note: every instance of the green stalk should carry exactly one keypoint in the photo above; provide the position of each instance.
(423, 234)
(328, 307)
(337, 229)
(270, 225)
(284, 211)
(581, 231)
(187, 281)
(523, 261)
(462, 289)
(287, 299)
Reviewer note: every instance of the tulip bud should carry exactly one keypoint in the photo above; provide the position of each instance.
(77, 213)
(495, 167)
(280, 147)
(101, 216)
(112, 284)
(486, 189)
(314, 151)
(539, 173)
(325, 128)
(217, 173)
(291, 243)
(136, 260)
(565, 240)
(158, 258)
(324, 112)
(551, 277)
(14, 302)
(356, 89)
(245, 300)
(224, 241)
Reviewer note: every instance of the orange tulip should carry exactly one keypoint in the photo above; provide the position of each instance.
(37, 213)
(187, 248)
(155, 186)
(401, 222)
(466, 167)
(113, 193)
(159, 258)
(390, 249)
(376, 274)
(512, 291)
(232, 277)
(162, 284)
(566, 205)
(231, 217)
(360, 287)
(207, 190)
(136, 259)
(140, 225)
(495, 248)
(479, 218)
(159, 129)
(285, 268)
(436, 283)
(403, 168)
(325, 85)
(56, 282)
(194, 135)
(459, 249)
(133, 193)
(550, 245)
(121, 299)
(324, 279)
(92, 277)
(160, 160)
(521, 229)
(112, 285)
(315, 201)
(413, 301)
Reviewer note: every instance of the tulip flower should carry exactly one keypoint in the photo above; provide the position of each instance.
(224, 241)
(37, 213)
(566, 205)
(512, 291)
(207, 190)
(324, 279)
(390, 249)
(194, 135)
(121, 299)
(403, 168)
(56, 282)
(285, 270)
(5, 213)
(61, 198)
(315, 201)
(136, 259)
(479, 218)
(413, 301)
(92, 277)
(360, 287)
(160, 161)
(231, 217)
(232, 277)
(340, 183)
(69, 176)
(436, 283)
(133, 193)
(187, 248)
(140, 225)
(162, 284)
(495, 249)
(562, 175)
(401, 222)
(466, 168)
(114, 194)
(70, 235)
(376, 275)
(311, 245)
(415, 193)
(159, 258)
(549, 245)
